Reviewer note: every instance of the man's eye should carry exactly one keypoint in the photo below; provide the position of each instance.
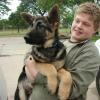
(86, 24)
(77, 21)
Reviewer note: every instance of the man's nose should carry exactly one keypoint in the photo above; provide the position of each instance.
(80, 25)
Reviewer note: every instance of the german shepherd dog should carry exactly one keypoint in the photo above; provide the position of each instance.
(46, 48)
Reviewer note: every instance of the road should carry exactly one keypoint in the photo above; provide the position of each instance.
(12, 52)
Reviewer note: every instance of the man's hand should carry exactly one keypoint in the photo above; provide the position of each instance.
(30, 68)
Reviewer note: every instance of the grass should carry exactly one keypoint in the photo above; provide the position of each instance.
(22, 32)
(94, 38)
(12, 32)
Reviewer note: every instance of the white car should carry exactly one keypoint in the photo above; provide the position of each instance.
(97, 43)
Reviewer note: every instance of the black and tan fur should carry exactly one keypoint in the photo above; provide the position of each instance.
(48, 52)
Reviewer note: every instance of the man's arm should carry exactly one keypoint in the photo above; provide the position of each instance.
(84, 71)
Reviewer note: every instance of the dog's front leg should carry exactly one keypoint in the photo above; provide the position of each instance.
(24, 87)
(20, 92)
(24, 90)
(65, 84)
(50, 72)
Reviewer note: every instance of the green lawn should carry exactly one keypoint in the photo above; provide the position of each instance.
(94, 38)
(14, 32)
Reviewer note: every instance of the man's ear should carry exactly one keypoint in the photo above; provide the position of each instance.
(27, 17)
(53, 15)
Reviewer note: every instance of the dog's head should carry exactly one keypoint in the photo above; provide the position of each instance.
(44, 29)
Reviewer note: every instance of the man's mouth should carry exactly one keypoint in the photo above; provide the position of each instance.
(78, 32)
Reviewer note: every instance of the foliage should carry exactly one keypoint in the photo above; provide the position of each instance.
(16, 21)
(3, 7)
(41, 7)
(94, 38)
(3, 24)
(30, 6)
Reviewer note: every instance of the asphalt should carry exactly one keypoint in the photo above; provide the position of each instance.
(12, 53)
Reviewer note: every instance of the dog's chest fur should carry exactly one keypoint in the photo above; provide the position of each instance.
(49, 55)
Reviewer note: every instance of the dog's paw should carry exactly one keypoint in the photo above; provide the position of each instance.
(52, 88)
(65, 84)
(63, 94)
(52, 84)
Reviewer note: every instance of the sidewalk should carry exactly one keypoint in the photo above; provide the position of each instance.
(12, 52)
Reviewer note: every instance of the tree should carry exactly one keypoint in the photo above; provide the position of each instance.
(29, 6)
(42, 6)
(3, 7)
(16, 21)
(3, 24)
(37, 6)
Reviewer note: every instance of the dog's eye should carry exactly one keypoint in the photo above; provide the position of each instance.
(40, 26)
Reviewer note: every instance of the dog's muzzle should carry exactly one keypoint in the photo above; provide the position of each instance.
(27, 39)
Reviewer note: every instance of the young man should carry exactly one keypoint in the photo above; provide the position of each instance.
(82, 60)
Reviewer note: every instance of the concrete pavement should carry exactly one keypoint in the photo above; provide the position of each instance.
(12, 52)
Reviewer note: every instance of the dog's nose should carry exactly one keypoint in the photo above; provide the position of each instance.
(26, 37)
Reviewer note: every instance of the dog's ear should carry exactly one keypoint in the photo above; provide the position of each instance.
(28, 18)
(53, 15)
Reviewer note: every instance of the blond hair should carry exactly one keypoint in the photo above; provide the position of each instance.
(93, 10)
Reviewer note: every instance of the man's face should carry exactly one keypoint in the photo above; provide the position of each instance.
(82, 28)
